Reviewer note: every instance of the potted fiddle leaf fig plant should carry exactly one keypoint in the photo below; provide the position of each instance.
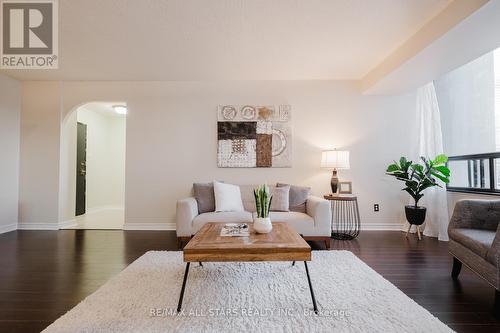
(418, 177)
(262, 223)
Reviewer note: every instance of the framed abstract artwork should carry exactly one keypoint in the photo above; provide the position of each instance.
(251, 136)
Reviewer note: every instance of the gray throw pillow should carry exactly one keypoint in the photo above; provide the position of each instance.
(281, 199)
(298, 197)
(205, 197)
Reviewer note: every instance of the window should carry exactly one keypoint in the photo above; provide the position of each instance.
(475, 173)
(469, 102)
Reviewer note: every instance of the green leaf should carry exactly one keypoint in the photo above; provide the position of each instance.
(412, 185)
(258, 207)
(444, 179)
(410, 192)
(392, 168)
(418, 168)
(443, 169)
(426, 186)
(440, 159)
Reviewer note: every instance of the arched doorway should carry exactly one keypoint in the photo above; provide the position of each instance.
(92, 193)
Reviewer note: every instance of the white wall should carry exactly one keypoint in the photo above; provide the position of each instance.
(171, 139)
(10, 112)
(105, 159)
(39, 158)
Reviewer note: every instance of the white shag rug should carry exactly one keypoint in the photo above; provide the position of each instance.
(248, 297)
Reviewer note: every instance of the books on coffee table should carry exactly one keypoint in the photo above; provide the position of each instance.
(235, 230)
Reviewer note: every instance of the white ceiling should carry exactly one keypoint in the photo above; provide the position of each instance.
(465, 42)
(230, 39)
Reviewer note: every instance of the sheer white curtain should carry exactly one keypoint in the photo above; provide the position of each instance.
(430, 144)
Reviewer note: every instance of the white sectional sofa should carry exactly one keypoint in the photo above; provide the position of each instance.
(314, 224)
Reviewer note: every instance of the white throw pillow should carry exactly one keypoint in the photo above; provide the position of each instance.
(227, 198)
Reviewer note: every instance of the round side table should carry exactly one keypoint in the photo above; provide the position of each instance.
(345, 216)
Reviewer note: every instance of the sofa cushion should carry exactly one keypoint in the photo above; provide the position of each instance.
(477, 240)
(227, 198)
(298, 197)
(204, 195)
(248, 198)
(280, 201)
(300, 222)
(225, 217)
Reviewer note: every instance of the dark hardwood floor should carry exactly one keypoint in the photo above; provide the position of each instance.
(43, 274)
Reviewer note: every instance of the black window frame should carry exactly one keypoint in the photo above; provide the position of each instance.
(492, 174)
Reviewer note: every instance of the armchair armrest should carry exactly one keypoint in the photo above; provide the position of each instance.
(475, 214)
(320, 210)
(493, 254)
(187, 210)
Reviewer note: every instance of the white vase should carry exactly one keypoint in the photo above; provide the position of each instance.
(262, 225)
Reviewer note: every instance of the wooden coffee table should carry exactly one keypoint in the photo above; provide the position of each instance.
(281, 244)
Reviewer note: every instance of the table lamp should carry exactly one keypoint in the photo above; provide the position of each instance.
(335, 159)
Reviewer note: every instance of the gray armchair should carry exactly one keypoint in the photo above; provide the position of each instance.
(474, 232)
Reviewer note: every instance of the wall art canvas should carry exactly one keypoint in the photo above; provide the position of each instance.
(252, 136)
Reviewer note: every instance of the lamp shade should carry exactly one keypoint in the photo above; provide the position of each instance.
(336, 159)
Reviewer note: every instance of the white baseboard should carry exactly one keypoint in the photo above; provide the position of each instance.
(38, 226)
(381, 226)
(148, 223)
(172, 226)
(103, 208)
(67, 224)
(381, 223)
(149, 226)
(8, 228)
(160, 224)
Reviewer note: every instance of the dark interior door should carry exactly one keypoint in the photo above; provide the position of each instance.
(81, 168)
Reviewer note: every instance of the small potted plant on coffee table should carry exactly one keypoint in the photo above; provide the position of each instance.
(262, 223)
(418, 177)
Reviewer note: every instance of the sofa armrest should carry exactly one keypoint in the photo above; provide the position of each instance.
(475, 214)
(187, 210)
(320, 210)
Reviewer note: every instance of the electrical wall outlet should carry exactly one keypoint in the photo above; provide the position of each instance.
(376, 207)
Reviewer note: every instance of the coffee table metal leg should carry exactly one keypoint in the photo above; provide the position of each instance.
(200, 263)
(179, 305)
(293, 263)
(311, 289)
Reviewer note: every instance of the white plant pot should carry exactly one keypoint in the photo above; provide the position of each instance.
(262, 225)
